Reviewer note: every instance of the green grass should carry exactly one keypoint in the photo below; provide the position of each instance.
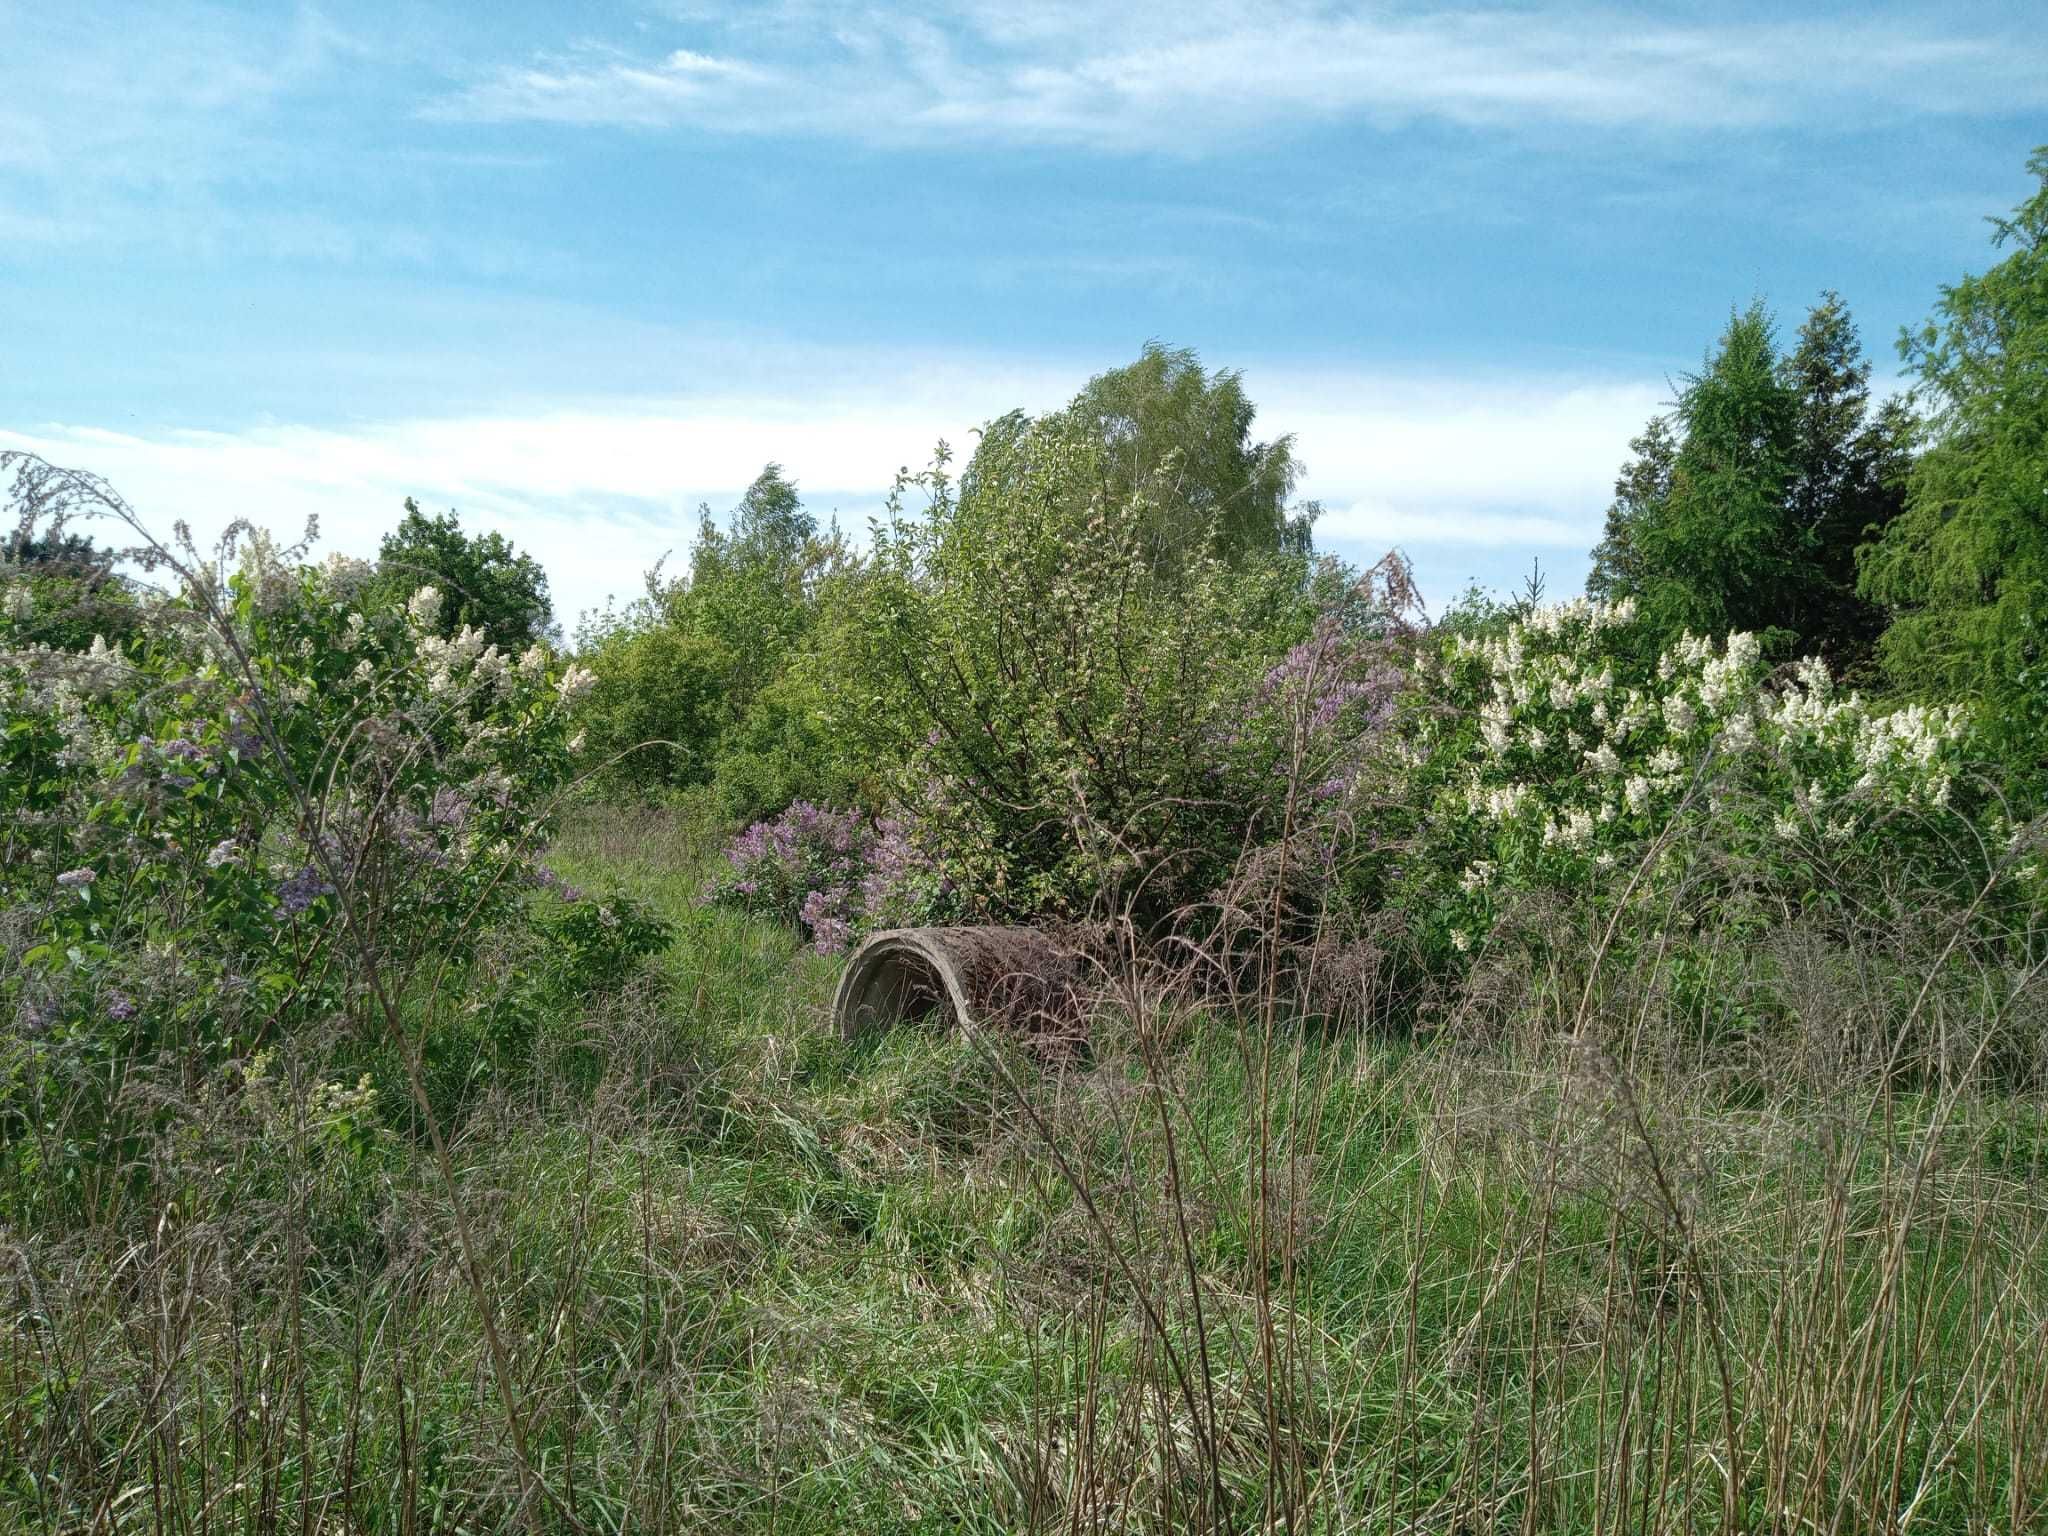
(752, 1277)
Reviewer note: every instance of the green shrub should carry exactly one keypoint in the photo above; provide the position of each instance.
(1066, 709)
(1547, 760)
(655, 715)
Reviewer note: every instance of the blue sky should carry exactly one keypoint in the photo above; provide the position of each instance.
(573, 269)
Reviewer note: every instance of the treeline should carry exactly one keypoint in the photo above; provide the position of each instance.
(1084, 614)
(1904, 541)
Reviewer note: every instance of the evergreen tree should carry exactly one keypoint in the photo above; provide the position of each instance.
(1640, 490)
(1848, 483)
(1965, 568)
(1744, 508)
(749, 587)
(1712, 553)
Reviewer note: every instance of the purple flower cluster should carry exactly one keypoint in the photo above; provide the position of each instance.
(833, 874)
(543, 878)
(1326, 674)
(451, 809)
(304, 887)
(1338, 686)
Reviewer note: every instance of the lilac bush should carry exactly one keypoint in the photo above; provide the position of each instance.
(219, 826)
(833, 875)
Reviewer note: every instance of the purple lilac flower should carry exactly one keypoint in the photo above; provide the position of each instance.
(543, 878)
(306, 886)
(120, 1007)
(451, 809)
(823, 912)
(77, 879)
(241, 741)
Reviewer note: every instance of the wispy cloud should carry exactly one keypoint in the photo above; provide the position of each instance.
(1180, 79)
(158, 96)
(601, 491)
(602, 85)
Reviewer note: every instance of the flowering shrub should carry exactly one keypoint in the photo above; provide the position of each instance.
(1541, 762)
(835, 875)
(1062, 708)
(273, 806)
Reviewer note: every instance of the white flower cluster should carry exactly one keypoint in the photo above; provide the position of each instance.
(575, 683)
(1903, 757)
(1547, 682)
(1573, 770)
(345, 576)
(463, 659)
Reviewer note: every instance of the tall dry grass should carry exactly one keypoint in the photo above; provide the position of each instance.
(1725, 1231)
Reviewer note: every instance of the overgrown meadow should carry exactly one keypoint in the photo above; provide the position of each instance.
(1570, 1066)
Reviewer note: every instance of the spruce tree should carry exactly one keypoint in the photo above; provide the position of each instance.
(1964, 568)
(1745, 507)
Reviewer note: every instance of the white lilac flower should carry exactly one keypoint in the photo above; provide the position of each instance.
(1678, 713)
(1719, 677)
(1690, 654)
(20, 602)
(226, 851)
(1461, 940)
(1604, 759)
(77, 879)
(1637, 793)
(1493, 727)
(1477, 877)
(346, 575)
(424, 607)
(576, 682)
(1575, 831)
(1503, 803)
(533, 660)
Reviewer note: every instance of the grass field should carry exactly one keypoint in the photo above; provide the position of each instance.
(1548, 1264)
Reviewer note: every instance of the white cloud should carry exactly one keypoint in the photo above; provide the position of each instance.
(1183, 78)
(602, 490)
(1381, 524)
(604, 86)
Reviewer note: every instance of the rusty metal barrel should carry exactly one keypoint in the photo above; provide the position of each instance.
(1021, 980)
